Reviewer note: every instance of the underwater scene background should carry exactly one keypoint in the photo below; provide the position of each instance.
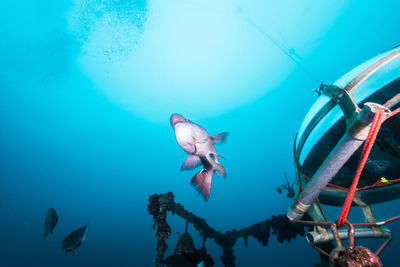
(87, 88)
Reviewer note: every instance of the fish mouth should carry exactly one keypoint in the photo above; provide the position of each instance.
(175, 118)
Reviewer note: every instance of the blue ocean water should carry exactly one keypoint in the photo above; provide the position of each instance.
(86, 91)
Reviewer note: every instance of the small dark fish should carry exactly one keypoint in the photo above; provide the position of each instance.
(288, 187)
(290, 194)
(376, 167)
(50, 222)
(74, 240)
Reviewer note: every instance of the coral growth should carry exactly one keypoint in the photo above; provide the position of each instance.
(354, 257)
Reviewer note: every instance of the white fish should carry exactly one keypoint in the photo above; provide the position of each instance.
(196, 141)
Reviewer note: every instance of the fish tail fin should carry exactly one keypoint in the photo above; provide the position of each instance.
(202, 182)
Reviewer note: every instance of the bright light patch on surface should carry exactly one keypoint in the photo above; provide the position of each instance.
(203, 57)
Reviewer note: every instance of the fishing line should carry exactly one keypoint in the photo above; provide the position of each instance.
(266, 34)
(263, 32)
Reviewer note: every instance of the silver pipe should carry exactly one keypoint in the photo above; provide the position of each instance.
(360, 232)
(355, 135)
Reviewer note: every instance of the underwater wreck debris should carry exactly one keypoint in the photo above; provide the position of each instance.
(277, 225)
(74, 240)
(157, 207)
(184, 244)
(187, 255)
(358, 257)
(351, 256)
(154, 207)
(50, 221)
(285, 229)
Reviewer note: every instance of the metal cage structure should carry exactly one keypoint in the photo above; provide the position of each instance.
(329, 144)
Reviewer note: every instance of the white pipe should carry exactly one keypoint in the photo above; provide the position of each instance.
(345, 148)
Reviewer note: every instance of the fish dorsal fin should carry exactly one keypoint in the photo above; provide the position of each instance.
(219, 138)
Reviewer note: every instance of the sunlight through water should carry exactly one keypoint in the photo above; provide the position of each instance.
(201, 56)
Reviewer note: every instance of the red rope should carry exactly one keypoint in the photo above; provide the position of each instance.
(331, 186)
(378, 184)
(321, 209)
(320, 250)
(379, 118)
(376, 124)
(394, 113)
(377, 223)
(383, 246)
(337, 187)
(373, 132)
(328, 224)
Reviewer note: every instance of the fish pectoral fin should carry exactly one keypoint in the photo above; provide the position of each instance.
(219, 138)
(191, 162)
(221, 170)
